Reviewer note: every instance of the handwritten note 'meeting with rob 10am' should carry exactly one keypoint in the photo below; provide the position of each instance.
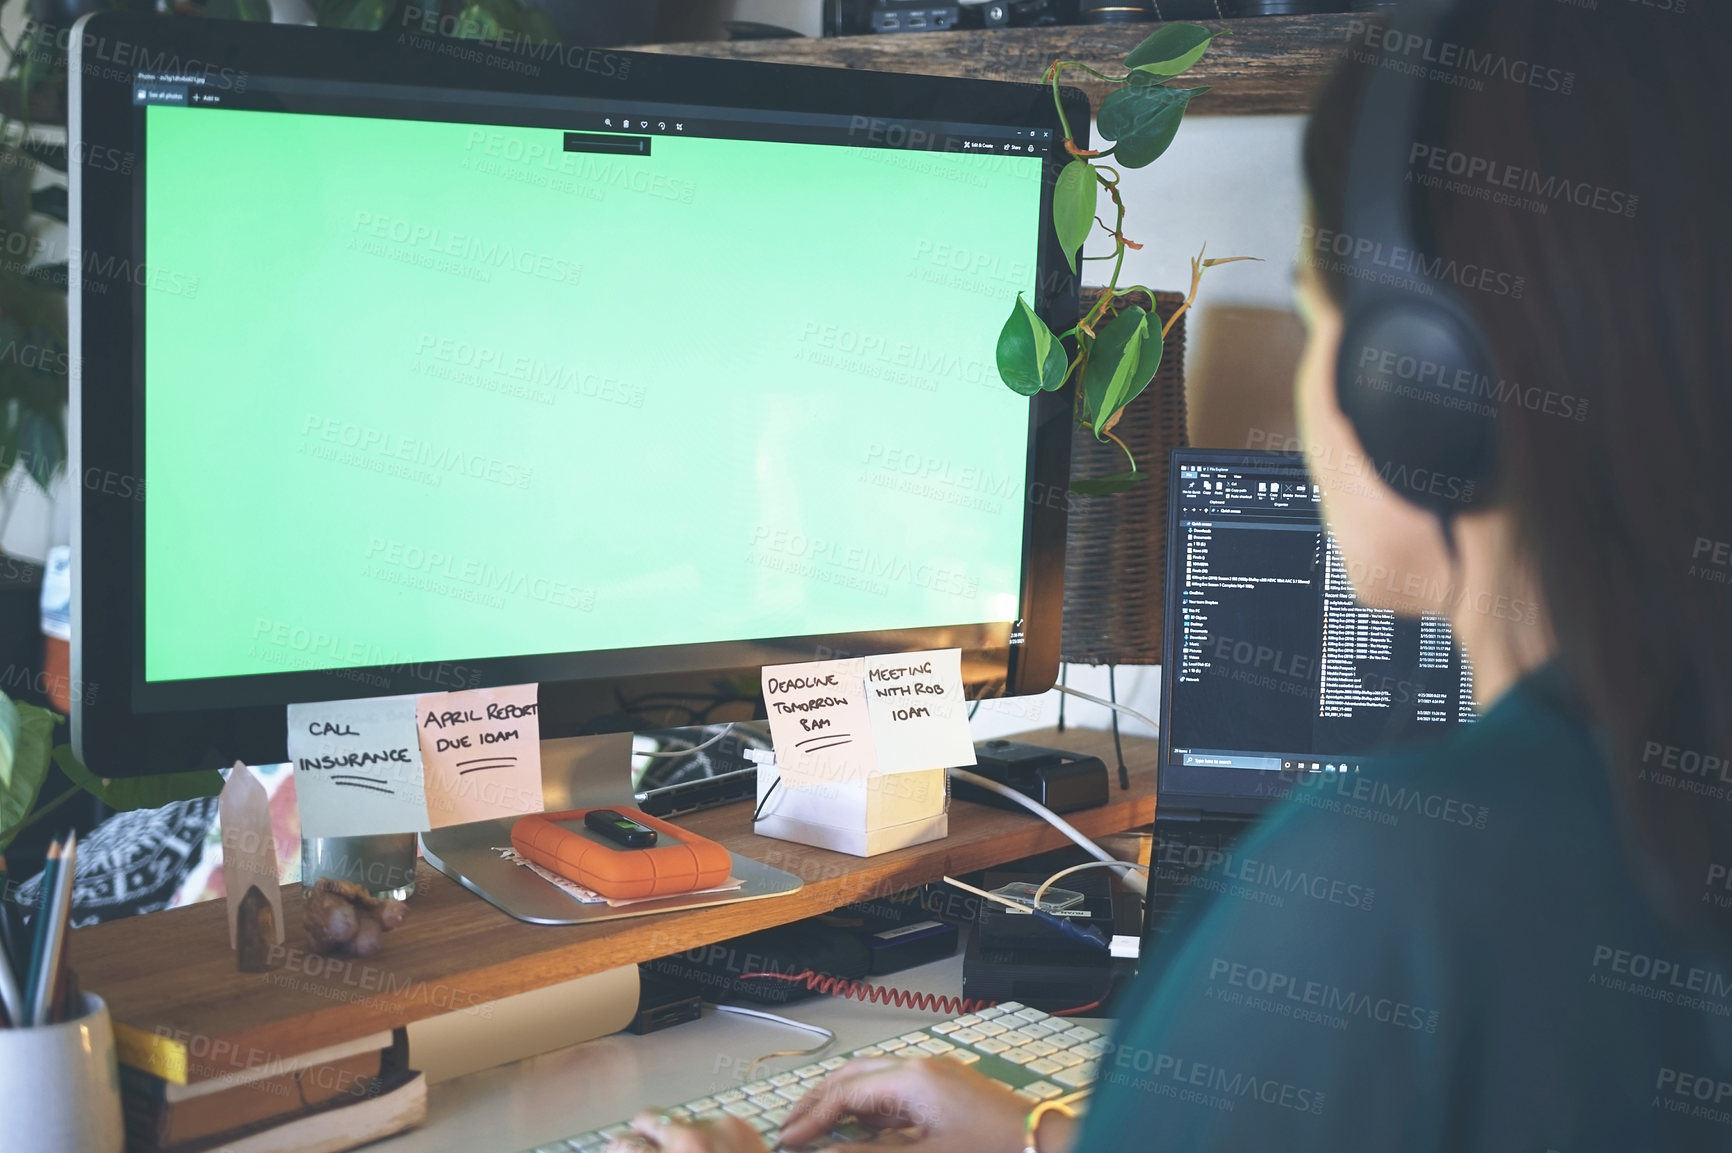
(482, 752)
(851, 719)
(919, 714)
(357, 767)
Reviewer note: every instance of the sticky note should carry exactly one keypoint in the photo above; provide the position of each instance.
(818, 721)
(919, 714)
(482, 752)
(357, 767)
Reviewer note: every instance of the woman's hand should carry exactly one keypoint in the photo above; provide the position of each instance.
(953, 1107)
(654, 1131)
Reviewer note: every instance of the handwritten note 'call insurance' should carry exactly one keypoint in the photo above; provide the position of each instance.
(357, 767)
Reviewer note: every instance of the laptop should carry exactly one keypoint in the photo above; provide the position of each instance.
(1272, 671)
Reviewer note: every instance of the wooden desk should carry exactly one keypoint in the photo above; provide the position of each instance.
(174, 971)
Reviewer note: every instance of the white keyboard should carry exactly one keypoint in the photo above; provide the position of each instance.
(1039, 1056)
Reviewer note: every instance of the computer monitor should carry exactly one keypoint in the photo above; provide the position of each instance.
(1273, 670)
(407, 364)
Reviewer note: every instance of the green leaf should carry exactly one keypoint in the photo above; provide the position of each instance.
(256, 10)
(8, 739)
(1030, 357)
(1143, 118)
(1124, 358)
(29, 767)
(1170, 49)
(126, 793)
(1073, 207)
(1107, 485)
(361, 15)
(478, 22)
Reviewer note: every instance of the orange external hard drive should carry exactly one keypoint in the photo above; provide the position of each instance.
(679, 862)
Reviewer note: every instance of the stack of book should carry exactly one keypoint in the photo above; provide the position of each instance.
(323, 1101)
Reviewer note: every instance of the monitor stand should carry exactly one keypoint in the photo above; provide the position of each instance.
(576, 773)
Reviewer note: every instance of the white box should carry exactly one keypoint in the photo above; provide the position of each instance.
(863, 818)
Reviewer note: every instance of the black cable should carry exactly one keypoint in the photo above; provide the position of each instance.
(1063, 679)
(1113, 696)
(768, 793)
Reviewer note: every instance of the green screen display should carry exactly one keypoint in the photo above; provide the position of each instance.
(432, 391)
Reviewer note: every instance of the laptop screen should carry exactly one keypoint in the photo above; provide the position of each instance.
(1273, 669)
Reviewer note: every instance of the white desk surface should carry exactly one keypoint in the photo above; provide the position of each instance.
(516, 1107)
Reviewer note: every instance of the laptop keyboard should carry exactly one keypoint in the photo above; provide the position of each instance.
(1040, 1057)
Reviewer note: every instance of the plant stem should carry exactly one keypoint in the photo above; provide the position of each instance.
(6, 835)
(1108, 433)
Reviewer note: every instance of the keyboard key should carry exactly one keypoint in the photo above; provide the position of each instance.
(1089, 1049)
(710, 1115)
(1019, 1056)
(1017, 1037)
(1041, 1090)
(729, 1096)
(992, 1045)
(1077, 1076)
(679, 1113)
(777, 1115)
(963, 1055)
(791, 1093)
(698, 1106)
(1040, 1029)
(781, 1079)
(741, 1109)
(990, 1028)
(806, 1071)
(869, 1051)
(989, 1014)
(969, 1020)
(1041, 1048)
(768, 1101)
(966, 1036)
(892, 1045)
(915, 1037)
(1011, 1007)
(831, 1063)
(935, 1046)
(1081, 1033)
(1044, 1066)
(1031, 1014)
(945, 1028)
(1066, 1058)
(756, 1087)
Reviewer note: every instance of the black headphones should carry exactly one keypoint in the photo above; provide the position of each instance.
(1415, 374)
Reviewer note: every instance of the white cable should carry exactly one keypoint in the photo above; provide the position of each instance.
(1047, 884)
(1136, 884)
(1106, 704)
(741, 1010)
(726, 729)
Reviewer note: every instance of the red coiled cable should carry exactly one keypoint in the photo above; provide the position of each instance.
(879, 994)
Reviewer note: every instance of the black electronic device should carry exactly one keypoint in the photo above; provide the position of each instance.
(1414, 373)
(620, 829)
(375, 606)
(663, 1002)
(720, 971)
(1062, 781)
(1021, 957)
(914, 16)
(1013, 13)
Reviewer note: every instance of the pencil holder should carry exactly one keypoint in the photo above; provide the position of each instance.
(60, 1087)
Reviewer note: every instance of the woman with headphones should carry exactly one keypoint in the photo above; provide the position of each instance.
(1538, 314)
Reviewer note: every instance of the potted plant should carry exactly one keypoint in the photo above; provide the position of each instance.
(1115, 560)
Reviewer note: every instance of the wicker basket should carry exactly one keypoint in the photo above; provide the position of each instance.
(1115, 564)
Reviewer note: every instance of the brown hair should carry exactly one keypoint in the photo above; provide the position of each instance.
(1585, 170)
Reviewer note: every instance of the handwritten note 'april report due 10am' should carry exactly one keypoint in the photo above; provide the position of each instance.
(851, 719)
(413, 763)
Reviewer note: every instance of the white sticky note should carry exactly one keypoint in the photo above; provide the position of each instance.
(919, 714)
(818, 720)
(482, 752)
(357, 767)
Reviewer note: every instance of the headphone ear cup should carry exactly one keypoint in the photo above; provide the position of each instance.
(1416, 381)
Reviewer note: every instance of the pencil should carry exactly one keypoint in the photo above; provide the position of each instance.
(55, 945)
(39, 936)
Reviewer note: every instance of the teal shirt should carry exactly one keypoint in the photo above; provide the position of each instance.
(1446, 952)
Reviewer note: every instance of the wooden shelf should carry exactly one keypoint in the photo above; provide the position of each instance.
(1270, 64)
(173, 971)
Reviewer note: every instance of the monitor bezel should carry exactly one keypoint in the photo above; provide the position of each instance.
(115, 736)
